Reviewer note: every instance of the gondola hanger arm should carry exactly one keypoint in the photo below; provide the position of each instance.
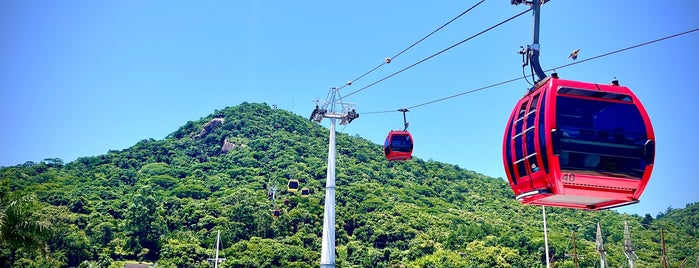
(405, 121)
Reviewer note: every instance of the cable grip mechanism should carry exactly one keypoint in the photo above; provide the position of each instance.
(405, 121)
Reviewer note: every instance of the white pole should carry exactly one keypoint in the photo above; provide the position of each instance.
(546, 237)
(218, 237)
(327, 254)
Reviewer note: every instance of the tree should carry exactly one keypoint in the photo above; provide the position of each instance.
(20, 228)
(647, 220)
(161, 200)
(144, 225)
(182, 249)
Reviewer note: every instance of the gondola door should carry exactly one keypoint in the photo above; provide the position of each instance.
(525, 146)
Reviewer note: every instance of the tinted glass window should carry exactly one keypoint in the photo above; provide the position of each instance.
(601, 136)
(529, 133)
(508, 152)
(519, 150)
(386, 146)
(519, 153)
(401, 143)
(543, 133)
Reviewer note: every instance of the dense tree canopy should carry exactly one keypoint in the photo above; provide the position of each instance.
(164, 200)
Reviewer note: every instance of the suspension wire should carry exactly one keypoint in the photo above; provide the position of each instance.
(388, 60)
(627, 48)
(467, 92)
(440, 52)
(462, 13)
(380, 112)
(449, 97)
(555, 68)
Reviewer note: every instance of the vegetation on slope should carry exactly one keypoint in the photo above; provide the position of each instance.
(163, 201)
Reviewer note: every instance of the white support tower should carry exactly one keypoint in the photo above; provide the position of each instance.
(600, 248)
(333, 108)
(272, 190)
(216, 260)
(628, 249)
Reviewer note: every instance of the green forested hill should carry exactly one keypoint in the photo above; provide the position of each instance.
(163, 201)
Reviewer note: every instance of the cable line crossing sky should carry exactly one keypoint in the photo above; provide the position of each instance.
(552, 69)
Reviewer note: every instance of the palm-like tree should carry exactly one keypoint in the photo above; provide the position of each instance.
(19, 227)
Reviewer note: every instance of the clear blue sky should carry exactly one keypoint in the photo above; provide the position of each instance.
(78, 78)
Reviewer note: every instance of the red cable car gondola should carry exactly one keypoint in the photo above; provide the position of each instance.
(399, 143)
(575, 144)
(578, 145)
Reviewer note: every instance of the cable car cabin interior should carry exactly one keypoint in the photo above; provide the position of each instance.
(398, 145)
(293, 185)
(578, 145)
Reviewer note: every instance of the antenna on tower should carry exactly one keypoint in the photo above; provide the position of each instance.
(628, 249)
(600, 248)
(575, 255)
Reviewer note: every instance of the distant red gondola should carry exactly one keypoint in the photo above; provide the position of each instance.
(398, 145)
(578, 145)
